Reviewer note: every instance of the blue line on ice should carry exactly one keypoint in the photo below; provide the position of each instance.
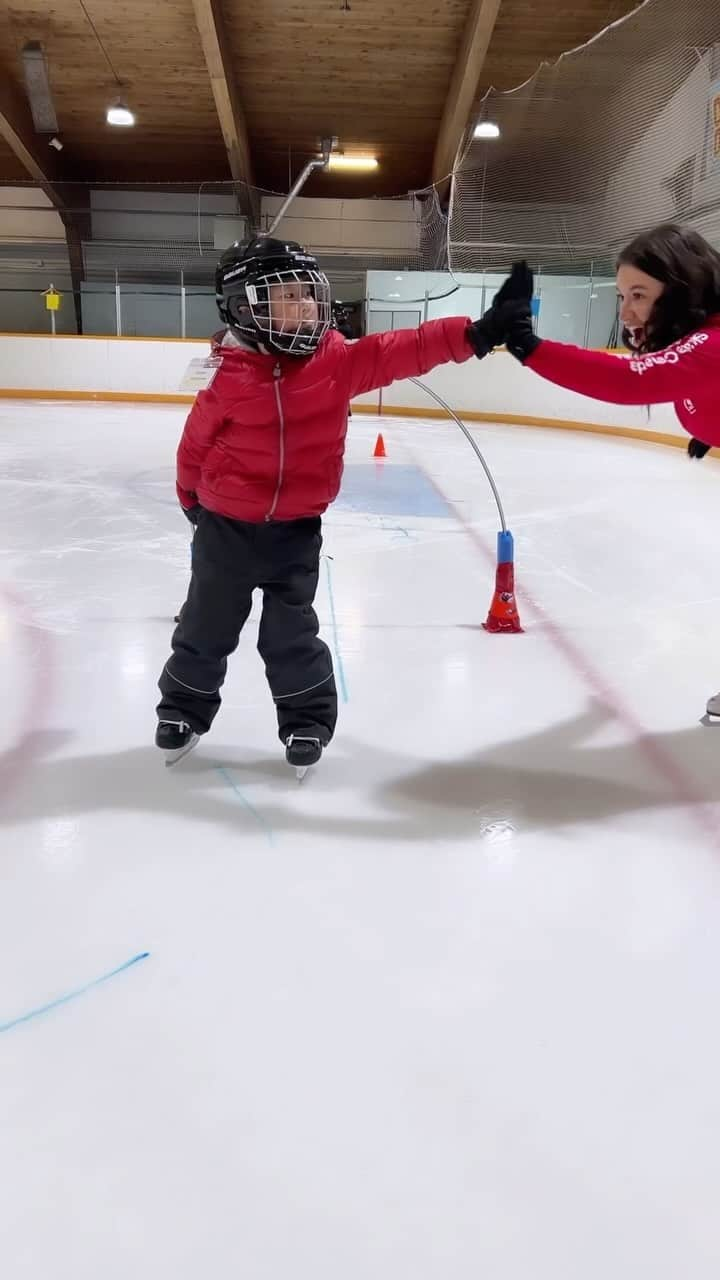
(72, 995)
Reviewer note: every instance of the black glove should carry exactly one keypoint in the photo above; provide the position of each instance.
(697, 449)
(192, 513)
(515, 319)
(488, 332)
(518, 287)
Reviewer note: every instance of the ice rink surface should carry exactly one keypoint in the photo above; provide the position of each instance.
(448, 1009)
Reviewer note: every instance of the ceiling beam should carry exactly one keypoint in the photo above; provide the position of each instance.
(72, 204)
(16, 127)
(213, 37)
(77, 220)
(464, 81)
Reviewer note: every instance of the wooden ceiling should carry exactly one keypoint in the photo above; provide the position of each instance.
(225, 86)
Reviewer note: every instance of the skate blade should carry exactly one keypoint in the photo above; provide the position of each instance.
(300, 771)
(174, 757)
(710, 722)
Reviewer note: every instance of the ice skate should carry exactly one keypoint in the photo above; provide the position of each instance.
(301, 752)
(712, 711)
(176, 739)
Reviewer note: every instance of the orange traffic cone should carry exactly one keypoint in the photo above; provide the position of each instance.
(379, 450)
(503, 615)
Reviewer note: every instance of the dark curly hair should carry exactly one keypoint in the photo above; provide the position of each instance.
(689, 268)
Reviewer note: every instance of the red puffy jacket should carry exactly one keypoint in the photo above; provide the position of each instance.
(266, 440)
(687, 373)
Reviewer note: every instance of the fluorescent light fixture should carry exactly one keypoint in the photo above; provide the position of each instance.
(361, 164)
(487, 130)
(38, 88)
(118, 114)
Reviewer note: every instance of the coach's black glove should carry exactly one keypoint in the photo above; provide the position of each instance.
(697, 449)
(515, 319)
(489, 332)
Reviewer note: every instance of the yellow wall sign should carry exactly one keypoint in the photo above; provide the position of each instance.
(52, 300)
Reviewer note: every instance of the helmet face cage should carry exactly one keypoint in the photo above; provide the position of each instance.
(291, 310)
(288, 310)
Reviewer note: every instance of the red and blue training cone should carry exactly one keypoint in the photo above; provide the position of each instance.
(503, 615)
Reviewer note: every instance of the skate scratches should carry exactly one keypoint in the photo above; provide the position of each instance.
(72, 995)
(661, 762)
(255, 813)
(36, 647)
(336, 640)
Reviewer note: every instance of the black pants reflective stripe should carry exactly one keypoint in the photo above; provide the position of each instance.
(230, 560)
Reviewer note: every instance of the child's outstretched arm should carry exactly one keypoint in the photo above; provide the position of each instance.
(382, 358)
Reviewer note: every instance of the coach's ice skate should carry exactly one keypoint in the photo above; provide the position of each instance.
(176, 739)
(301, 752)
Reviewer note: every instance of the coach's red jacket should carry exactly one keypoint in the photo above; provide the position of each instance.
(686, 374)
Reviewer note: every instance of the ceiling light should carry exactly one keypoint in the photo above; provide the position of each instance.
(487, 130)
(358, 163)
(119, 114)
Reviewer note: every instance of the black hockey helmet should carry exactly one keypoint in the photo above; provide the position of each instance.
(252, 276)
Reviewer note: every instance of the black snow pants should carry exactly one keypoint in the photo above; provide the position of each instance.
(230, 559)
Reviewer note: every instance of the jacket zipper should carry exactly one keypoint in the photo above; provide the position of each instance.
(277, 374)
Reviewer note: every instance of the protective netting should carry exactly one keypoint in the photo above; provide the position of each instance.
(158, 245)
(608, 140)
(154, 232)
(612, 138)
